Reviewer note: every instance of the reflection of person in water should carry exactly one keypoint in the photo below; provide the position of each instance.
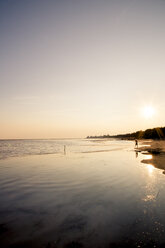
(136, 143)
(136, 154)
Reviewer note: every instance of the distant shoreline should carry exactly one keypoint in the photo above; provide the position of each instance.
(157, 133)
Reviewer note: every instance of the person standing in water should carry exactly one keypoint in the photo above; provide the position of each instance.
(64, 149)
(136, 143)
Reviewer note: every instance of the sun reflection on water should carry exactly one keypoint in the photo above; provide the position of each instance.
(151, 190)
(150, 168)
(148, 156)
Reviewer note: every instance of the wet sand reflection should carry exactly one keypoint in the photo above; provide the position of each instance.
(158, 161)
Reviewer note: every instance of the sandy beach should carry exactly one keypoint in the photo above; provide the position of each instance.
(156, 149)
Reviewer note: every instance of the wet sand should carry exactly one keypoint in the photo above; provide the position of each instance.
(157, 150)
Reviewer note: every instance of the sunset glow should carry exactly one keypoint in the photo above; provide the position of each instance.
(148, 112)
(78, 68)
(82, 123)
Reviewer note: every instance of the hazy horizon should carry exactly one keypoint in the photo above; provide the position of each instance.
(78, 68)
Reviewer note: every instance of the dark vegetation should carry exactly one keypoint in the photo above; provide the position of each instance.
(154, 133)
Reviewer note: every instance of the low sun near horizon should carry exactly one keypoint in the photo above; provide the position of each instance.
(75, 69)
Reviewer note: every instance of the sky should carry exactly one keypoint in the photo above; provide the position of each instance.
(72, 68)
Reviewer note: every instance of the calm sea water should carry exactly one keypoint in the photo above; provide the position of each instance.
(93, 194)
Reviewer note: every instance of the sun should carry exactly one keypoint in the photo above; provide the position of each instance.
(148, 112)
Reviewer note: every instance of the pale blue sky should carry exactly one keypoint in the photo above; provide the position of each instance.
(77, 68)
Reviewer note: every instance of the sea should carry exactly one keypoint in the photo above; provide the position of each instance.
(76, 193)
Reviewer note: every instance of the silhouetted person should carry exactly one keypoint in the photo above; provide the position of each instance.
(64, 149)
(136, 143)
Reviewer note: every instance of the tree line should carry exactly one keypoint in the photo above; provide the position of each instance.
(152, 133)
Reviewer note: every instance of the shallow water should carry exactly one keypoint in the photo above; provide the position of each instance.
(18, 148)
(96, 194)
